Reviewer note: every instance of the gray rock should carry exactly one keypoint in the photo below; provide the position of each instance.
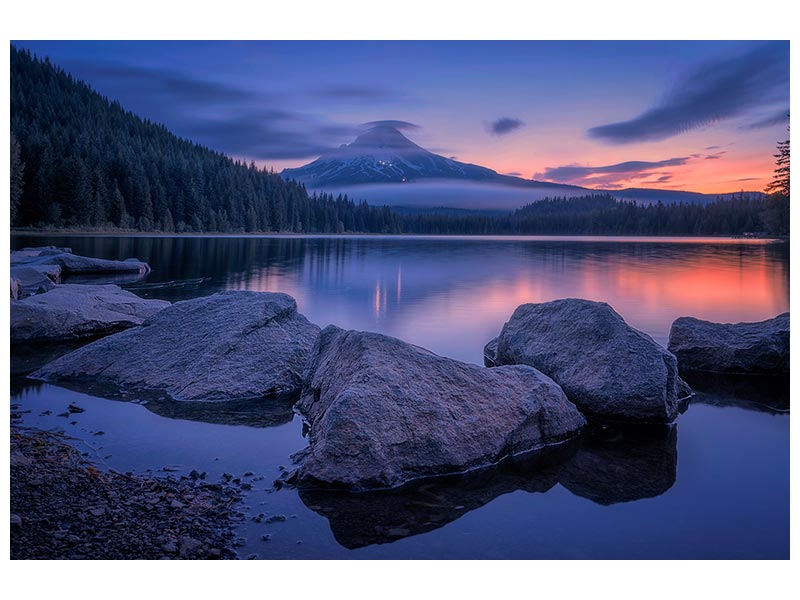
(32, 280)
(189, 547)
(490, 353)
(70, 312)
(72, 263)
(223, 347)
(383, 412)
(744, 348)
(16, 289)
(604, 366)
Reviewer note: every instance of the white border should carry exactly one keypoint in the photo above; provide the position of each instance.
(405, 19)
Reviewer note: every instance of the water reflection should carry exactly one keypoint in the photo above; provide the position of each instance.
(252, 412)
(363, 519)
(452, 294)
(607, 465)
(259, 412)
(764, 393)
(623, 464)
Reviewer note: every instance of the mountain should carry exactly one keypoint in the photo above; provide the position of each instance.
(383, 166)
(383, 155)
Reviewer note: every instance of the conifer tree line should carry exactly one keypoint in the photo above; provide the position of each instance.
(602, 214)
(79, 160)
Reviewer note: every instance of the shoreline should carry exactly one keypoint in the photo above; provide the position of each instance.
(63, 506)
(289, 235)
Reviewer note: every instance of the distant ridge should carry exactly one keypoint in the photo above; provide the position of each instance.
(383, 155)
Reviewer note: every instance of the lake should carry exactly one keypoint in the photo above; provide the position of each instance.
(713, 485)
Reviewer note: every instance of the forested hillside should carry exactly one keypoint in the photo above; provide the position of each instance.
(79, 160)
(602, 214)
(85, 161)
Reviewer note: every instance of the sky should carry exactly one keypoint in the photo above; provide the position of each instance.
(700, 116)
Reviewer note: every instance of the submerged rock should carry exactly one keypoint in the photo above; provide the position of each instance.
(607, 368)
(383, 412)
(230, 345)
(743, 348)
(70, 312)
(16, 289)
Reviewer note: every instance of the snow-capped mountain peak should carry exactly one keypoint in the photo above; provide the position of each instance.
(383, 154)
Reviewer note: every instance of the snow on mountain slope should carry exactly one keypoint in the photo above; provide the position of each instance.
(383, 155)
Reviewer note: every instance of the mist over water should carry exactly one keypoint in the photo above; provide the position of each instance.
(453, 194)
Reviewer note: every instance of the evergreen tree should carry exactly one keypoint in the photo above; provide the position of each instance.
(776, 212)
(17, 174)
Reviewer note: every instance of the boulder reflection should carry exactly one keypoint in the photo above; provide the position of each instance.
(622, 464)
(363, 519)
(253, 412)
(606, 465)
(762, 393)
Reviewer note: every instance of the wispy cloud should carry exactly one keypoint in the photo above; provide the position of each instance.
(237, 120)
(354, 93)
(505, 125)
(611, 176)
(779, 118)
(717, 90)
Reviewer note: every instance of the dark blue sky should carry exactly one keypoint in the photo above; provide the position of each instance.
(703, 116)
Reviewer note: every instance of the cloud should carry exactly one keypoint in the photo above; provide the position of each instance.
(514, 174)
(715, 91)
(392, 123)
(353, 93)
(164, 82)
(504, 125)
(715, 155)
(241, 122)
(778, 118)
(610, 175)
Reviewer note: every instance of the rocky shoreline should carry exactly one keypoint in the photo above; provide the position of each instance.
(63, 507)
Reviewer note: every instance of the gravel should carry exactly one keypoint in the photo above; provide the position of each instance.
(63, 507)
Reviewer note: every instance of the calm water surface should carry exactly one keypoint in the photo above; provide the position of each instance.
(714, 485)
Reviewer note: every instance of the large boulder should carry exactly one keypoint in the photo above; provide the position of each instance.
(383, 412)
(607, 368)
(744, 348)
(227, 346)
(69, 312)
(16, 289)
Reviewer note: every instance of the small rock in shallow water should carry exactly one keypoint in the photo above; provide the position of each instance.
(275, 519)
